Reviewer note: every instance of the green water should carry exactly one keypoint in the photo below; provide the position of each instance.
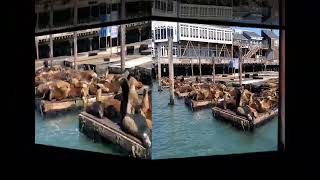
(62, 130)
(179, 132)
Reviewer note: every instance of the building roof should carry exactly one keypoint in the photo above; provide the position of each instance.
(239, 36)
(270, 34)
(251, 34)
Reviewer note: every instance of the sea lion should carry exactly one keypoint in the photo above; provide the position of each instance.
(132, 123)
(146, 108)
(59, 90)
(95, 109)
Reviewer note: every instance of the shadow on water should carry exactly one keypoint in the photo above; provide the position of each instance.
(180, 132)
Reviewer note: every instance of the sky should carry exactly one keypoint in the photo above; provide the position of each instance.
(256, 30)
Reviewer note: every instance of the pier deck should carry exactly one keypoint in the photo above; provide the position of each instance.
(105, 128)
(180, 95)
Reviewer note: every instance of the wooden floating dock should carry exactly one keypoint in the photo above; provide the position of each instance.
(45, 106)
(196, 105)
(180, 95)
(105, 128)
(241, 121)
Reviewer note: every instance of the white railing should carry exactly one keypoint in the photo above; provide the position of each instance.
(194, 10)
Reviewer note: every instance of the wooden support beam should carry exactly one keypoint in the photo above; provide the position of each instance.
(123, 46)
(240, 66)
(159, 68)
(139, 34)
(90, 41)
(123, 35)
(191, 66)
(200, 60)
(51, 49)
(75, 49)
(37, 48)
(213, 69)
(171, 71)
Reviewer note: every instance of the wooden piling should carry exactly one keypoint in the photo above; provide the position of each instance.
(191, 67)
(51, 50)
(75, 49)
(213, 70)
(240, 66)
(199, 60)
(123, 46)
(159, 69)
(171, 73)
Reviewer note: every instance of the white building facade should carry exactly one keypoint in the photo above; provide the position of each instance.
(189, 39)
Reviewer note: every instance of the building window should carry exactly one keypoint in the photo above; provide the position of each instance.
(158, 33)
(170, 6)
(162, 33)
(205, 32)
(197, 33)
(182, 32)
(174, 51)
(276, 43)
(191, 32)
(186, 32)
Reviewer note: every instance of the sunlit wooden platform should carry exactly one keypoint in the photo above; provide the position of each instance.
(241, 121)
(105, 128)
(197, 105)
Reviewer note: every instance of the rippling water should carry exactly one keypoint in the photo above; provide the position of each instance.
(179, 132)
(62, 131)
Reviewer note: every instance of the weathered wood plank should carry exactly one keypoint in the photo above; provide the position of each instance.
(196, 105)
(112, 132)
(241, 121)
(180, 95)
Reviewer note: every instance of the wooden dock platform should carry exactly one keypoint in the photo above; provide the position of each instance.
(45, 106)
(180, 95)
(105, 128)
(196, 105)
(241, 121)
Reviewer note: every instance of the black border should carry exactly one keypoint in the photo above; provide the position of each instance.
(172, 19)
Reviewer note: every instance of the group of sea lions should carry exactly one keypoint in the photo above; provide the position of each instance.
(124, 107)
(57, 83)
(238, 99)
